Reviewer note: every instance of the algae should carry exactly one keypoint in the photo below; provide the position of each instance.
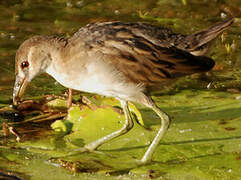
(203, 141)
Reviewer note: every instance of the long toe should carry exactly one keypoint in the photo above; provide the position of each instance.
(86, 149)
(77, 151)
(72, 153)
(141, 162)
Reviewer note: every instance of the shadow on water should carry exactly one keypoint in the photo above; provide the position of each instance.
(177, 143)
(192, 113)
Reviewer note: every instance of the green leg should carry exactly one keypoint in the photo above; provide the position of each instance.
(165, 121)
(127, 126)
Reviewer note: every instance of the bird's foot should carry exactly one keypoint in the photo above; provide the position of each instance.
(83, 150)
(141, 162)
(78, 151)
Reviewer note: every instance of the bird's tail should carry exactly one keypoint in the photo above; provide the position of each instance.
(199, 39)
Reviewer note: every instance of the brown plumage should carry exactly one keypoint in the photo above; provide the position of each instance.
(148, 54)
(122, 60)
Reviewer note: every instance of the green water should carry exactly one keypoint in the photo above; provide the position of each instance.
(204, 140)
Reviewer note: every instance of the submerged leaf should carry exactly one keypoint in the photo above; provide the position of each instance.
(58, 104)
(59, 126)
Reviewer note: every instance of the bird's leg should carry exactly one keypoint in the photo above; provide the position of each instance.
(70, 98)
(127, 126)
(165, 121)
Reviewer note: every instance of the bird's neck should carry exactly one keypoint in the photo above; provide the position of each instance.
(53, 49)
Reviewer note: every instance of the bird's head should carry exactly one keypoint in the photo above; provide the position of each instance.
(31, 59)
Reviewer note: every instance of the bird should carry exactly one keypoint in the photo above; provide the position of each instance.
(124, 60)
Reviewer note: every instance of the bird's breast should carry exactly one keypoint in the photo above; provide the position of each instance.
(96, 77)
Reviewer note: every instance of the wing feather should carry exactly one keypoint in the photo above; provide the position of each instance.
(140, 57)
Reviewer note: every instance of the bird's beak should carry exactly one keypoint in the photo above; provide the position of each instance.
(19, 88)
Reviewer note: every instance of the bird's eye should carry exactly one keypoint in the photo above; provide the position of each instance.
(24, 64)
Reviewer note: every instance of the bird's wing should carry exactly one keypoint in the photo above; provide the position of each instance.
(130, 49)
(144, 62)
